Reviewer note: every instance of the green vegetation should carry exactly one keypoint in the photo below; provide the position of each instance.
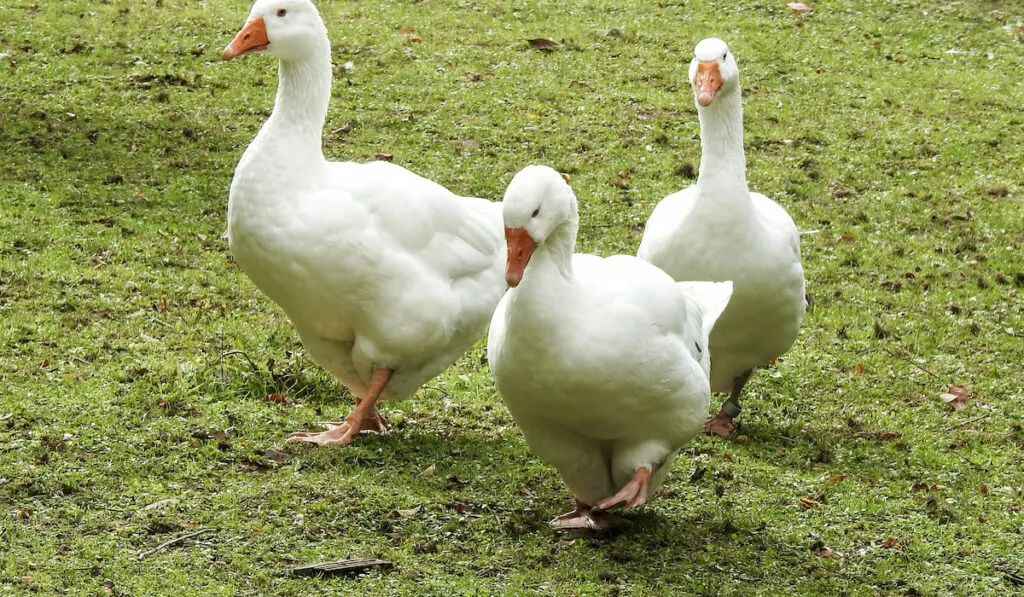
(890, 129)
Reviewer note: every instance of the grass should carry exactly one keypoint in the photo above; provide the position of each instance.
(891, 131)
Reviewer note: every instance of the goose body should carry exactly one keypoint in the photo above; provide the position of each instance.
(387, 276)
(718, 230)
(603, 363)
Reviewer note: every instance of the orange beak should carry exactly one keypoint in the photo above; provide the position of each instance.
(252, 38)
(707, 82)
(520, 248)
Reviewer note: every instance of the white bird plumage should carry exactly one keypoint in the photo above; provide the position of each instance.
(718, 230)
(387, 276)
(603, 363)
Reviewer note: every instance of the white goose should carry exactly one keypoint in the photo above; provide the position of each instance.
(603, 363)
(719, 230)
(388, 277)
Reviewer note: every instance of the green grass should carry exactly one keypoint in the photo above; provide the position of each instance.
(891, 131)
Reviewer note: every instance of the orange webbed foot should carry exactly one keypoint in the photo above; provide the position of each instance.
(589, 518)
(720, 424)
(632, 495)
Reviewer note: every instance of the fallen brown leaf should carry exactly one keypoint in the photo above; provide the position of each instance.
(409, 512)
(277, 456)
(25, 513)
(542, 44)
(415, 39)
(384, 157)
(956, 396)
(277, 398)
(807, 502)
(890, 543)
(427, 472)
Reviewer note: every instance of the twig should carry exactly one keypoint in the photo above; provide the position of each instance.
(146, 554)
(967, 422)
(854, 358)
(893, 354)
(443, 392)
(252, 364)
(159, 322)
(353, 566)
(970, 462)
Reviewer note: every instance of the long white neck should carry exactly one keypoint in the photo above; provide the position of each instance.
(723, 166)
(303, 94)
(550, 267)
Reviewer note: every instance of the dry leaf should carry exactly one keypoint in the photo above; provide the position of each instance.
(542, 44)
(807, 502)
(384, 157)
(277, 398)
(277, 456)
(859, 369)
(888, 435)
(409, 512)
(798, 7)
(474, 76)
(890, 543)
(846, 238)
(956, 396)
(837, 479)
(427, 472)
(415, 39)
(25, 513)
(620, 181)
(406, 30)
(461, 508)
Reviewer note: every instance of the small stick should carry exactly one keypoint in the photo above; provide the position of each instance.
(146, 554)
(967, 422)
(894, 355)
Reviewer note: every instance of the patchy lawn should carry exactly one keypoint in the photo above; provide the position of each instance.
(138, 362)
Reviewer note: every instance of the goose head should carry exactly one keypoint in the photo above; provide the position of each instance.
(286, 29)
(713, 71)
(537, 202)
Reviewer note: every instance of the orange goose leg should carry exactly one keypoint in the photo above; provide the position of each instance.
(365, 417)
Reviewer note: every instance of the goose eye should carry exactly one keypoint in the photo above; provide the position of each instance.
(282, 11)
(726, 54)
(536, 212)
